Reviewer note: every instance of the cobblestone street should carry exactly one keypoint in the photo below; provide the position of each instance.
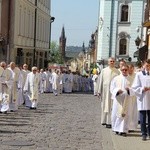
(64, 122)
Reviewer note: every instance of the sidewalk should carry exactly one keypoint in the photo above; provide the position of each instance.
(133, 141)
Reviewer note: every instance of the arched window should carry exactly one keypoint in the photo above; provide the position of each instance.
(124, 12)
(123, 46)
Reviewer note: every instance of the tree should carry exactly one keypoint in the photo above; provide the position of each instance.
(55, 56)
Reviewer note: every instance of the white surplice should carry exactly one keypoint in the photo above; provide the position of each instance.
(13, 104)
(31, 88)
(143, 98)
(120, 103)
(106, 75)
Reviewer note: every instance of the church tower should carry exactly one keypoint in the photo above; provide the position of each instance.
(62, 44)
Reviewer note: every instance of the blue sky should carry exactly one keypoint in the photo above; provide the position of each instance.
(79, 17)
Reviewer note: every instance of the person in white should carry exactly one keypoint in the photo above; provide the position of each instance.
(25, 72)
(42, 80)
(106, 75)
(121, 63)
(20, 99)
(32, 86)
(61, 82)
(141, 87)
(1, 90)
(47, 82)
(120, 89)
(15, 71)
(94, 79)
(55, 82)
(70, 83)
(133, 116)
(7, 83)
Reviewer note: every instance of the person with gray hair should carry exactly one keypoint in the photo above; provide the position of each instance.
(31, 87)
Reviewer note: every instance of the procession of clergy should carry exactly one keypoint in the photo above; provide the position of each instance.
(124, 93)
(20, 86)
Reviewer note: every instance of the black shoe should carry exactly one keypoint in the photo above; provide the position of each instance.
(123, 134)
(103, 124)
(131, 131)
(117, 133)
(108, 126)
(144, 137)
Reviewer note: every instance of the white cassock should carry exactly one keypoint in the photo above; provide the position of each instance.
(25, 97)
(6, 88)
(31, 88)
(120, 103)
(70, 83)
(133, 116)
(66, 82)
(143, 99)
(42, 81)
(61, 83)
(20, 89)
(1, 90)
(55, 83)
(94, 79)
(106, 75)
(47, 82)
(13, 104)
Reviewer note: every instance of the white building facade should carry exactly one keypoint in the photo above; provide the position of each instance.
(120, 23)
(30, 32)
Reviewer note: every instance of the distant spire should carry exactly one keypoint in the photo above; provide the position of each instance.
(83, 48)
(62, 44)
(63, 33)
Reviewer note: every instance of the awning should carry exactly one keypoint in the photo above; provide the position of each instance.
(141, 53)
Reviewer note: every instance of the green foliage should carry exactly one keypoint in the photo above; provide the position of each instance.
(55, 56)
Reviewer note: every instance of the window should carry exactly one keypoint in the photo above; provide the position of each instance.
(123, 46)
(124, 13)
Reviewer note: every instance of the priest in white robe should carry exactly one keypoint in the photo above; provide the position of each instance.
(7, 83)
(106, 75)
(32, 86)
(25, 72)
(15, 71)
(133, 116)
(141, 87)
(55, 82)
(95, 79)
(120, 89)
(1, 90)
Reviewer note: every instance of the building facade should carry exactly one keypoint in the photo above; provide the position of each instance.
(27, 24)
(147, 25)
(4, 29)
(119, 27)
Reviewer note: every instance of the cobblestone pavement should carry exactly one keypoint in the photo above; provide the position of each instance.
(63, 122)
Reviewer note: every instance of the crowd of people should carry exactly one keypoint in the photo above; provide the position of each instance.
(19, 85)
(124, 93)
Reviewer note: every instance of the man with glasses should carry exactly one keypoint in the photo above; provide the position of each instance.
(141, 87)
(121, 93)
(103, 90)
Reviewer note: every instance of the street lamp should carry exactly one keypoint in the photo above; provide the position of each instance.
(51, 21)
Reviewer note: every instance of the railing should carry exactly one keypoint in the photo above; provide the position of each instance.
(147, 14)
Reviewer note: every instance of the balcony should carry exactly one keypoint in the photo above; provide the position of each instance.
(147, 17)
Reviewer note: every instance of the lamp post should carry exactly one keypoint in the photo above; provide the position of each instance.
(51, 21)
